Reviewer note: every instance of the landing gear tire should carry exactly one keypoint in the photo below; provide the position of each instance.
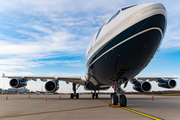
(96, 96)
(114, 99)
(72, 95)
(123, 101)
(77, 96)
(93, 95)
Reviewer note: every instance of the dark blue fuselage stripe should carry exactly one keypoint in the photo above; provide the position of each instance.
(125, 34)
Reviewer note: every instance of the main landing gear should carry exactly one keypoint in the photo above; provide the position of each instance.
(94, 95)
(74, 90)
(118, 98)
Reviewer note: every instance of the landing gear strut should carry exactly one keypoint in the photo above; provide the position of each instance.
(94, 95)
(74, 90)
(118, 96)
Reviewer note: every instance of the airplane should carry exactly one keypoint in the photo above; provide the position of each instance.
(38, 93)
(121, 48)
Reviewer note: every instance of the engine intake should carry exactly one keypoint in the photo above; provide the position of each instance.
(142, 86)
(17, 83)
(167, 83)
(52, 86)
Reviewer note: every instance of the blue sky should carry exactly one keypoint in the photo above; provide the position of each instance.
(49, 38)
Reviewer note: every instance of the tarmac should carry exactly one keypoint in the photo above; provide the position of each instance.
(61, 107)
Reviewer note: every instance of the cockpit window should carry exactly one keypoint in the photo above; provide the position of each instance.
(100, 30)
(128, 7)
(113, 16)
(116, 13)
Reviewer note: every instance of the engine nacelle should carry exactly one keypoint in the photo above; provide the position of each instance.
(52, 86)
(167, 83)
(17, 83)
(142, 86)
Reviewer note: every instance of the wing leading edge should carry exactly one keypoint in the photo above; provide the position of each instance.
(77, 80)
(157, 79)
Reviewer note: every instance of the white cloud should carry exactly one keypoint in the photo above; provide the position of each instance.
(16, 73)
(39, 40)
(172, 38)
(26, 63)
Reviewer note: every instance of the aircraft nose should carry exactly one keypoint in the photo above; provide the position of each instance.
(153, 9)
(157, 6)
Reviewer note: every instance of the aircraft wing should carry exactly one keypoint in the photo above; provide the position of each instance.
(77, 80)
(157, 79)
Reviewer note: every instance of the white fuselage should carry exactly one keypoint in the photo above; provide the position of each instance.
(104, 46)
(122, 21)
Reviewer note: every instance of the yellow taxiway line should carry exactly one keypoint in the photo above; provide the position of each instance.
(143, 114)
(134, 111)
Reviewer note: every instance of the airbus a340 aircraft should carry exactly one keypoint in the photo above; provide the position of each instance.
(121, 48)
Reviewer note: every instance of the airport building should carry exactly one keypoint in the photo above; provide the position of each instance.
(10, 90)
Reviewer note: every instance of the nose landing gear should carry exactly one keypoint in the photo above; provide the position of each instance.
(118, 96)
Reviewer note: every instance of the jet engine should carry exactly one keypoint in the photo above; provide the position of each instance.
(142, 86)
(17, 83)
(167, 83)
(52, 86)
